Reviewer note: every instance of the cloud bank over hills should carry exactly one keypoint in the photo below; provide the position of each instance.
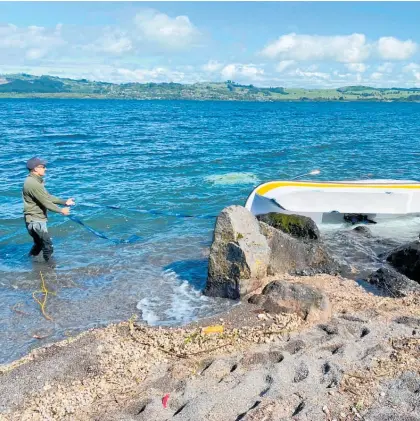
(154, 46)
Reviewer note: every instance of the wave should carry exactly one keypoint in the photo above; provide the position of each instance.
(181, 304)
(233, 178)
(67, 136)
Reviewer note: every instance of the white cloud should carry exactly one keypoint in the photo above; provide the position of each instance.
(241, 71)
(346, 49)
(352, 49)
(229, 71)
(414, 69)
(356, 67)
(35, 41)
(141, 75)
(391, 48)
(300, 77)
(312, 75)
(251, 71)
(115, 43)
(212, 66)
(336, 73)
(35, 53)
(411, 67)
(285, 64)
(386, 68)
(155, 74)
(148, 32)
(175, 32)
(376, 76)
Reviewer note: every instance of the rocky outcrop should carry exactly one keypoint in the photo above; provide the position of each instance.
(291, 255)
(309, 303)
(393, 283)
(239, 255)
(406, 260)
(244, 251)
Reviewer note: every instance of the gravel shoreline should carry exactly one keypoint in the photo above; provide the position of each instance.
(362, 364)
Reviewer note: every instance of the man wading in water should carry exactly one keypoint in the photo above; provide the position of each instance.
(36, 201)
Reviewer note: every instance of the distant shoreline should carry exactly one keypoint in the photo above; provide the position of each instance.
(84, 97)
(24, 86)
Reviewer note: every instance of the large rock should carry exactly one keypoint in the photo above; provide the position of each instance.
(393, 283)
(309, 303)
(290, 255)
(295, 225)
(245, 251)
(406, 259)
(363, 231)
(239, 255)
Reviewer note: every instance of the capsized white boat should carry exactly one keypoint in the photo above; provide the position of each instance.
(338, 201)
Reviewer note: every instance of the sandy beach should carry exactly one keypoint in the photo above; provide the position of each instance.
(363, 364)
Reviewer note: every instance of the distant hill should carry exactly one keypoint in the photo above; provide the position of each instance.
(28, 86)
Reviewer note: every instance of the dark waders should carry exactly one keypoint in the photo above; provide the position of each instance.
(42, 240)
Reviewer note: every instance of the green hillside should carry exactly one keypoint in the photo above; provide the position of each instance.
(28, 86)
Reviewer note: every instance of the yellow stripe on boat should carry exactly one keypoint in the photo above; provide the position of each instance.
(265, 188)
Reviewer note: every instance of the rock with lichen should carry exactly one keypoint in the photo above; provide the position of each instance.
(297, 226)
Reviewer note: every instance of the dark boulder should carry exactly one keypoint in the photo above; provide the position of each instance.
(393, 283)
(308, 302)
(362, 230)
(406, 259)
(295, 225)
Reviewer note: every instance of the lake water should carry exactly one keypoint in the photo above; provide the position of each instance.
(169, 156)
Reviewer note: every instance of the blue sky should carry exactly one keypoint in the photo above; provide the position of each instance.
(292, 44)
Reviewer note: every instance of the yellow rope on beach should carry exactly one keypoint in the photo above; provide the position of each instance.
(44, 290)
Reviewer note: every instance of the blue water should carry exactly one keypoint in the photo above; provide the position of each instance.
(182, 157)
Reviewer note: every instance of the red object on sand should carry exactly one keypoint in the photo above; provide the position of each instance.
(165, 400)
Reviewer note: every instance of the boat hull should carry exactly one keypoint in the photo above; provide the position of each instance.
(338, 201)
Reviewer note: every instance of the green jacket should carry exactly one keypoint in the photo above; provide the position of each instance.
(36, 199)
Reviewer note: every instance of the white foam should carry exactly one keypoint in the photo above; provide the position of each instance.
(147, 314)
(364, 253)
(233, 178)
(181, 303)
(404, 228)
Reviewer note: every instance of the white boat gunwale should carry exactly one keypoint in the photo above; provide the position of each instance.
(397, 202)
